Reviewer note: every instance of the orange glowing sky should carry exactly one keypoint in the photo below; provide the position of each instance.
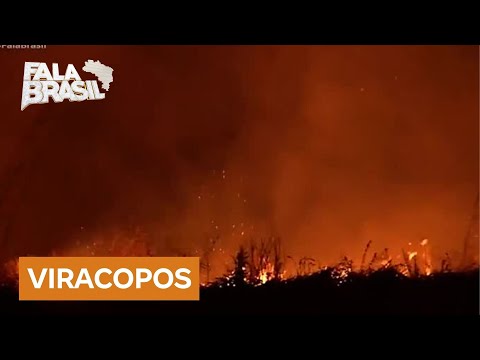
(325, 146)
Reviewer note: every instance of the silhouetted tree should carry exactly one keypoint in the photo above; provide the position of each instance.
(240, 271)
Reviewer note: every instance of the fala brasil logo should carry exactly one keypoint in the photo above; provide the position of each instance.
(40, 84)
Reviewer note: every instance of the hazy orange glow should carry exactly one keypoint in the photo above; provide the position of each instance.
(197, 150)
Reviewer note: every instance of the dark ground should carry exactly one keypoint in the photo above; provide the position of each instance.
(380, 293)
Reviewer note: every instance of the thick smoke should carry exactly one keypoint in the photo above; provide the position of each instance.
(325, 146)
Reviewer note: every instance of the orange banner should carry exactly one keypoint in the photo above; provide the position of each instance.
(109, 278)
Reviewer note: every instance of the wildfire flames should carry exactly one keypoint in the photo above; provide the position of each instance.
(426, 257)
(342, 271)
(263, 262)
(266, 274)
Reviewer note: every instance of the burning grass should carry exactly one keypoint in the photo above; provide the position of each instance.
(257, 283)
(262, 262)
(265, 263)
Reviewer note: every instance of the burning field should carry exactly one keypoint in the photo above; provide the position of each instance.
(257, 282)
(316, 179)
